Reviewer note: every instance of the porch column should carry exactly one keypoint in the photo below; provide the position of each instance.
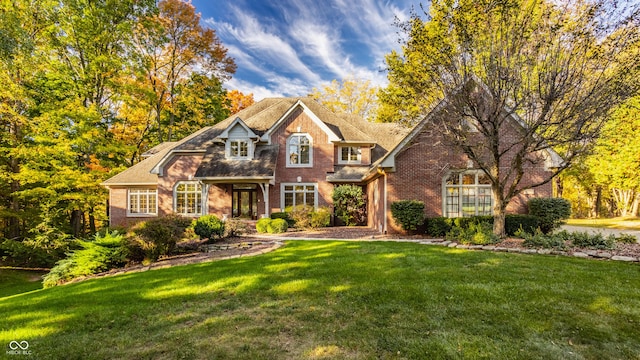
(265, 196)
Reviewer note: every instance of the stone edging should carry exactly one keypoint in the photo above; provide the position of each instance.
(594, 254)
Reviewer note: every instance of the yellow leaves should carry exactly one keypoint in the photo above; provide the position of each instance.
(351, 96)
(238, 101)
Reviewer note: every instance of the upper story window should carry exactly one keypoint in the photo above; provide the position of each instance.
(188, 198)
(142, 202)
(239, 148)
(299, 150)
(350, 155)
(467, 193)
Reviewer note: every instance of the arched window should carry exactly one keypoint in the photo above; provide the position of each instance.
(188, 198)
(467, 193)
(299, 151)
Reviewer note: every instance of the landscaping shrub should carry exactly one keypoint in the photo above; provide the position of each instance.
(208, 227)
(349, 204)
(551, 212)
(515, 222)
(156, 237)
(539, 240)
(440, 226)
(263, 224)
(409, 214)
(283, 215)
(320, 218)
(234, 227)
(593, 241)
(105, 253)
(277, 226)
(473, 233)
(437, 226)
(27, 253)
(627, 239)
(301, 215)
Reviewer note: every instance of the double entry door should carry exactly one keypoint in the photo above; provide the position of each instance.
(245, 201)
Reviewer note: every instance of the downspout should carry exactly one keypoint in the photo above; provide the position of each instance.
(384, 201)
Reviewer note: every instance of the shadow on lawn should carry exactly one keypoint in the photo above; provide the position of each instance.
(390, 295)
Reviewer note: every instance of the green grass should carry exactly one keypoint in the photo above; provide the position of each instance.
(19, 281)
(613, 223)
(342, 300)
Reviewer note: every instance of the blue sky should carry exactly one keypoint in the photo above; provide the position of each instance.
(288, 47)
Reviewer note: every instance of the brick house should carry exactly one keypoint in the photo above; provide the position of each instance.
(290, 151)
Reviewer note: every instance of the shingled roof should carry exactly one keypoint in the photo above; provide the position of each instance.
(216, 166)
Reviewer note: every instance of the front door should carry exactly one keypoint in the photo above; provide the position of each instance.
(245, 201)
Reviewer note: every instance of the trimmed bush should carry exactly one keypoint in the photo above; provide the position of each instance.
(156, 237)
(437, 226)
(320, 218)
(283, 215)
(409, 214)
(277, 226)
(627, 239)
(515, 222)
(208, 227)
(349, 204)
(262, 225)
(551, 212)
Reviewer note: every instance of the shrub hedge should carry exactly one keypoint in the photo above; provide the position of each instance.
(409, 214)
(551, 212)
(440, 226)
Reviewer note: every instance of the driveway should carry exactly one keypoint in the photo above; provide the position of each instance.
(603, 231)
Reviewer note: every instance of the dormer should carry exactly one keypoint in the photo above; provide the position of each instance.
(239, 141)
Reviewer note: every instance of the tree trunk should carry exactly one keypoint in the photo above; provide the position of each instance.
(598, 203)
(499, 209)
(92, 222)
(76, 223)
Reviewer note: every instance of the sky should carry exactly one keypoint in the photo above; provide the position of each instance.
(289, 47)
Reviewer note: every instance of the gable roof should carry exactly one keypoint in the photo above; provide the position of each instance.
(261, 119)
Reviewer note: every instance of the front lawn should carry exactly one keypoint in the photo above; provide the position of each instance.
(354, 300)
(19, 281)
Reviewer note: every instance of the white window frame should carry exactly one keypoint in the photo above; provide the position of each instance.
(199, 196)
(350, 150)
(138, 194)
(288, 153)
(284, 191)
(459, 192)
(239, 156)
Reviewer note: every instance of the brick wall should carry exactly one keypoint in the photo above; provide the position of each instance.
(323, 159)
(178, 169)
(118, 207)
(422, 165)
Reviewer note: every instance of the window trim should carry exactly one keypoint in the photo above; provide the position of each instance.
(288, 154)
(139, 192)
(283, 192)
(228, 147)
(349, 161)
(200, 194)
(459, 186)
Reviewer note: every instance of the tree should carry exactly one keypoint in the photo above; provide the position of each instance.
(171, 46)
(237, 101)
(351, 96)
(615, 162)
(556, 68)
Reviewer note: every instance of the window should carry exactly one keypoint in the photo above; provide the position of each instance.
(299, 150)
(350, 155)
(299, 194)
(238, 148)
(467, 194)
(188, 198)
(142, 202)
